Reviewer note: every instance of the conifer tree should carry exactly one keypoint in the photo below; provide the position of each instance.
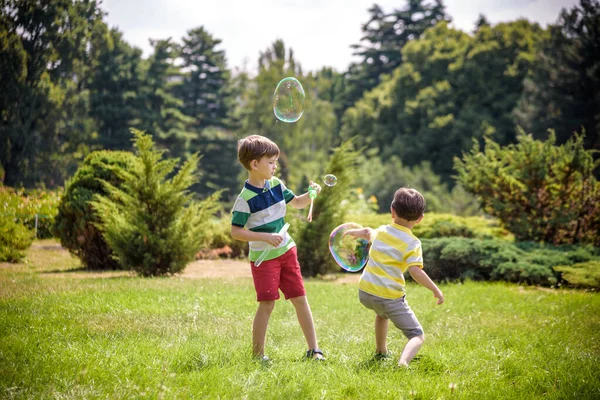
(328, 213)
(151, 222)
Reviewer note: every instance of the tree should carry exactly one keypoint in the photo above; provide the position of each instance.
(540, 191)
(43, 44)
(443, 95)
(384, 36)
(563, 90)
(313, 238)
(115, 100)
(162, 112)
(150, 221)
(204, 86)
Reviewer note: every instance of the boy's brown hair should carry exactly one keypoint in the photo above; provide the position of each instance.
(408, 204)
(255, 147)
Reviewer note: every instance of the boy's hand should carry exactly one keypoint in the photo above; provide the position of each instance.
(273, 239)
(315, 186)
(439, 296)
(351, 232)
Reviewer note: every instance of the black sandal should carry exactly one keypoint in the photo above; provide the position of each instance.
(310, 354)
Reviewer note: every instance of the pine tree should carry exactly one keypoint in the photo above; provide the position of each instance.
(151, 222)
(328, 213)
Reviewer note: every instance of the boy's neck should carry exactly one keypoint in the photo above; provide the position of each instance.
(255, 180)
(404, 223)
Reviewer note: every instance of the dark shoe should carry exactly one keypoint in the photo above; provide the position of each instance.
(315, 354)
(381, 356)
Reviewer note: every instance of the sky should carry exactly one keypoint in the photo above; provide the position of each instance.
(320, 32)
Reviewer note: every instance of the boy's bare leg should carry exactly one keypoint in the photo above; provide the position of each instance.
(305, 319)
(381, 328)
(259, 327)
(410, 350)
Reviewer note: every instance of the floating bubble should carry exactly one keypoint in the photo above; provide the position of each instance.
(330, 180)
(288, 103)
(351, 253)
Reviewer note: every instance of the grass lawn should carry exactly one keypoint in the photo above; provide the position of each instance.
(84, 335)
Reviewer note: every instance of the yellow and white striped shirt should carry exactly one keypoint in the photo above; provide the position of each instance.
(393, 251)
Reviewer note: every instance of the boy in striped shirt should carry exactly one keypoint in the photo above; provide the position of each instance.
(257, 217)
(395, 250)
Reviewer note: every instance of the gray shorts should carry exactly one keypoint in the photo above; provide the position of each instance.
(396, 310)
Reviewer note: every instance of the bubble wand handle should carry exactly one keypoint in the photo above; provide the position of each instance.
(266, 251)
(312, 193)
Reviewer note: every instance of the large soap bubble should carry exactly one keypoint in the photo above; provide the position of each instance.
(288, 100)
(351, 253)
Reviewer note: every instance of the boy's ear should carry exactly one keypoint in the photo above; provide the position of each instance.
(420, 218)
(254, 164)
(393, 212)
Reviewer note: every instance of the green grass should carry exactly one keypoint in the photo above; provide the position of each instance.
(83, 335)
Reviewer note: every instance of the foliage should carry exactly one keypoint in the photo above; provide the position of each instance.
(23, 205)
(328, 212)
(14, 236)
(586, 274)
(436, 225)
(42, 48)
(76, 221)
(540, 191)
(561, 92)
(461, 258)
(150, 221)
(381, 180)
(441, 96)
(114, 90)
(218, 240)
(384, 36)
(203, 89)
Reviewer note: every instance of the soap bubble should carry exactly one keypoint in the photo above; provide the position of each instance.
(288, 104)
(330, 180)
(351, 253)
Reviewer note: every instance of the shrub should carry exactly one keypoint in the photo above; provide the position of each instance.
(460, 258)
(14, 236)
(149, 221)
(218, 242)
(313, 238)
(443, 225)
(23, 205)
(585, 275)
(75, 221)
(541, 192)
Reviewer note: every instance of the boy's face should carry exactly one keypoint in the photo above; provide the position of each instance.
(265, 167)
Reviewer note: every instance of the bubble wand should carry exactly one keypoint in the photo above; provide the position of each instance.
(312, 193)
(266, 251)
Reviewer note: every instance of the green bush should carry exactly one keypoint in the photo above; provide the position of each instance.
(461, 258)
(151, 221)
(541, 192)
(313, 238)
(584, 275)
(443, 225)
(23, 205)
(75, 221)
(14, 239)
(218, 242)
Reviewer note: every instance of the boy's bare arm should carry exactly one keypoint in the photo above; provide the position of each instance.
(303, 200)
(421, 277)
(363, 233)
(246, 235)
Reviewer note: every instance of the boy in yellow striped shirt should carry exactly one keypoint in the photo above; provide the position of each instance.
(395, 250)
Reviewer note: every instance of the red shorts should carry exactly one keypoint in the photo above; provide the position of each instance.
(282, 273)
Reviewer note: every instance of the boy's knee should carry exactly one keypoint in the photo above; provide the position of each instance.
(299, 301)
(267, 305)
